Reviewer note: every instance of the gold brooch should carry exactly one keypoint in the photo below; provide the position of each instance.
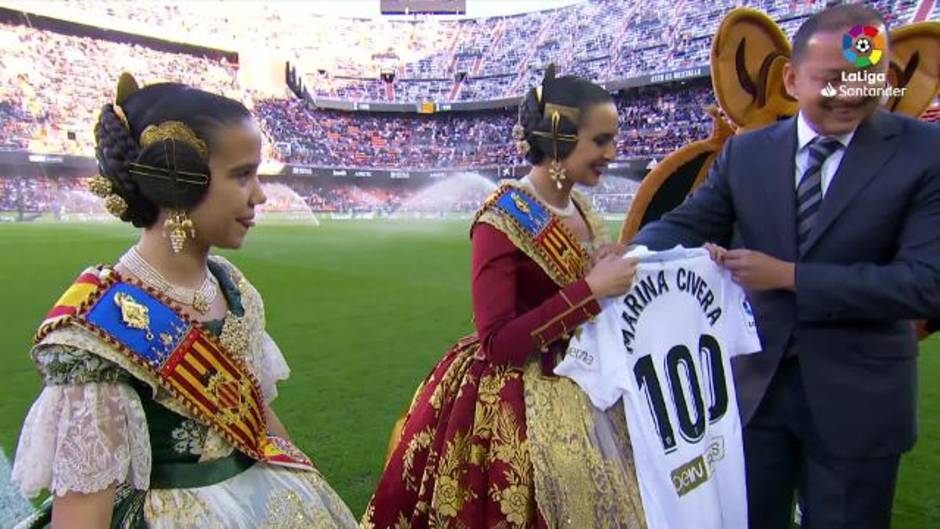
(521, 204)
(134, 314)
(200, 305)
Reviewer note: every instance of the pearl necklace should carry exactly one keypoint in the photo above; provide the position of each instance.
(200, 299)
(568, 210)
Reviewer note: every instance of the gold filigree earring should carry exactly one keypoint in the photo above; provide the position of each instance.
(556, 171)
(178, 227)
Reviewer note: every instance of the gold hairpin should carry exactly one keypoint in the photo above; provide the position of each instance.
(571, 113)
(556, 122)
(559, 137)
(152, 171)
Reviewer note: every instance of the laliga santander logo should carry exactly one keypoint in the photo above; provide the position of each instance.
(863, 46)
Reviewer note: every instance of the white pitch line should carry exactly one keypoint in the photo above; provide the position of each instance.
(13, 506)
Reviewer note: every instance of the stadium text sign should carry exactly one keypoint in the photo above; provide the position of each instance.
(677, 75)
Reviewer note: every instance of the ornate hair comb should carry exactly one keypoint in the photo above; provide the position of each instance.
(175, 131)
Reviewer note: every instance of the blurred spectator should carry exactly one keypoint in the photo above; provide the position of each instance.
(598, 39)
(52, 85)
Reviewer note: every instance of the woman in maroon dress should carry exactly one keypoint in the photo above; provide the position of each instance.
(492, 438)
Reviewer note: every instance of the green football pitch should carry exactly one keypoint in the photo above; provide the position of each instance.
(361, 310)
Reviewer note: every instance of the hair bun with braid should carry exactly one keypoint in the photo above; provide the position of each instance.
(171, 169)
(115, 149)
(569, 91)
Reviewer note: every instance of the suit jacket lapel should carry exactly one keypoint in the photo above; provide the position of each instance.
(780, 184)
(874, 143)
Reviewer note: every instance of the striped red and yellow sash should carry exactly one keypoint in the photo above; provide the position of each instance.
(179, 354)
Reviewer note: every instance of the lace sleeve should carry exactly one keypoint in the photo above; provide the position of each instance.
(273, 368)
(84, 434)
(62, 364)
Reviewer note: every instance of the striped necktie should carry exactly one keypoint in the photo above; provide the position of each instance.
(809, 192)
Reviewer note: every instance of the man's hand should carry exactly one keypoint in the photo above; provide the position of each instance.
(759, 271)
(606, 250)
(717, 253)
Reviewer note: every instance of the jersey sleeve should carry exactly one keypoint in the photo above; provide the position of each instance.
(596, 359)
(740, 327)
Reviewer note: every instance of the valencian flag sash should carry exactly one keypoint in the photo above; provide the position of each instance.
(178, 355)
(554, 243)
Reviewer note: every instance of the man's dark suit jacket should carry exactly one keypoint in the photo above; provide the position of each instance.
(873, 264)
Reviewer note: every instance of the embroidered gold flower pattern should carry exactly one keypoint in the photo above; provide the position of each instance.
(515, 502)
(577, 484)
(447, 496)
(419, 442)
(490, 385)
(495, 444)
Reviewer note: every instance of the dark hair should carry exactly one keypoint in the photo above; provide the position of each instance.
(116, 147)
(832, 19)
(569, 91)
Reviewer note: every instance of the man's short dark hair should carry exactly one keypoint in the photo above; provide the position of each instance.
(835, 18)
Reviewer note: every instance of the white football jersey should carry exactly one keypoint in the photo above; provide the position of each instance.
(665, 348)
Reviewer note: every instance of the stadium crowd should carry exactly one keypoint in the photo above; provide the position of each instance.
(52, 85)
(329, 138)
(473, 58)
(610, 39)
(499, 55)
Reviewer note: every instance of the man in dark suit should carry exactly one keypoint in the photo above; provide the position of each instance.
(835, 214)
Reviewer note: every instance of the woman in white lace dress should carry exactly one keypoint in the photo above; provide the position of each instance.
(158, 373)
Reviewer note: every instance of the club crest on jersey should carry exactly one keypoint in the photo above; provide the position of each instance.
(748, 315)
